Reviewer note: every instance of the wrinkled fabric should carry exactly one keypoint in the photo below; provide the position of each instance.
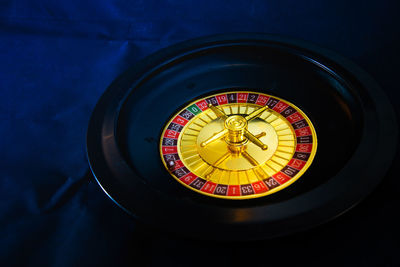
(58, 57)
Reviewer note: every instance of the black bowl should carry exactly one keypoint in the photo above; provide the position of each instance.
(354, 121)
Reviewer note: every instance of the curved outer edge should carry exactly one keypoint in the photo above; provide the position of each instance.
(387, 119)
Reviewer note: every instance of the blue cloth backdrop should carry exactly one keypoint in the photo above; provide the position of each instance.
(57, 58)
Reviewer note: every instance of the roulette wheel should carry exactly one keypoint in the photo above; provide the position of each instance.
(241, 137)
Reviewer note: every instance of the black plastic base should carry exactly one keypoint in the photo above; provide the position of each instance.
(355, 124)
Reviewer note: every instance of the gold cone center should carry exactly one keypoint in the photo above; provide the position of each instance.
(236, 126)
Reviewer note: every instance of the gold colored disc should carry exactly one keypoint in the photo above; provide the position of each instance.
(238, 145)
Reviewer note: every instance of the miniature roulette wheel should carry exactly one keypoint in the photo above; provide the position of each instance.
(241, 136)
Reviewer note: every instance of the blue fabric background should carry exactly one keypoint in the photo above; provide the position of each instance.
(56, 59)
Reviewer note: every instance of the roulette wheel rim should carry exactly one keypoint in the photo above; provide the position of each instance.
(204, 218)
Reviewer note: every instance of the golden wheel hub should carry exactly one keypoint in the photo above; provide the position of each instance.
(235, 123)
(238, 149)
(236, 126)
